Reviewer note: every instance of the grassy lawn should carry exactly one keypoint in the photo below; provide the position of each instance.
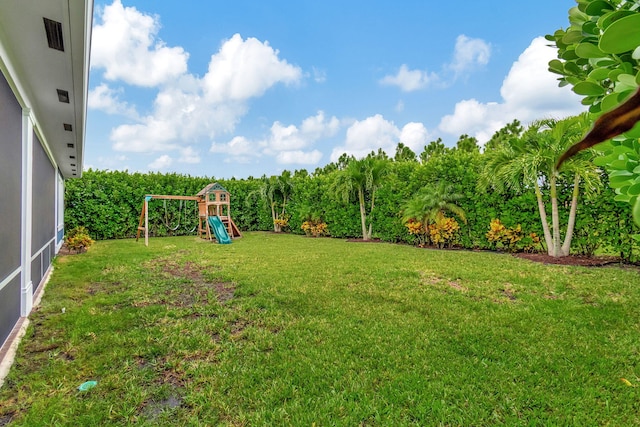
(288, 330)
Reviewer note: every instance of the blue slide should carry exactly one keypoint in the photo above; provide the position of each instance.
(219, 229)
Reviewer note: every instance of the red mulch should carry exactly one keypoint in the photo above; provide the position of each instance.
(364, 241)
(577, 260)
(596, 261)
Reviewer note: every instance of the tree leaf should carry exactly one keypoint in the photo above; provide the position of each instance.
(596, 8)
(589, 50)
(598, 74)
(609, 18)
(636, 211)
(627, 79)
(588, 88)
(573, 36)
(555, 66)
(634, 190)
(634, 133)
(622, 35)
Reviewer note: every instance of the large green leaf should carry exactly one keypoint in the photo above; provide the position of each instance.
(555, 66)
(610, 101)
(589, 50)
(589, 89)
(636, 211)
(597, 73)
(607, 19)
(628, 79)
(596, 8)
(621, 36)
(573, 36)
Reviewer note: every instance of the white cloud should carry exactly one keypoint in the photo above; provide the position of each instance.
(529, 92)
(244, 69)
(414, 135)
(189, 155)
(153, 135)
(409, 80)
(239, 146)
(126, 46)
(189, 109)
(287, 143)
(162, 162)
(103, 98)
(368, 135)
(286, 138)
(318, 126)
(299, 157)
(469, 53)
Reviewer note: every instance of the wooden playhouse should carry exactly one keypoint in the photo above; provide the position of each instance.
(214, 214)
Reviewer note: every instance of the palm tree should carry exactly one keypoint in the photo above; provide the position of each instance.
(363, 177)
(275, 192)
(431, 203)
(529, 162)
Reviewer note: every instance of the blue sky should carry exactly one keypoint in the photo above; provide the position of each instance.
(246, 88)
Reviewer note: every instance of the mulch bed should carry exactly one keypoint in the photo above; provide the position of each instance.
(576, 260)
(596, 261)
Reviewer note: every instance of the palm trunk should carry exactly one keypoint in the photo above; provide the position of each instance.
(566, 246)
(555, 218)
(543, 218)
(371, 214)
(274, 216)
(284, 206)
(363, 214)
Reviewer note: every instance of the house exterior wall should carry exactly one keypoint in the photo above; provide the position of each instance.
(43, 234)
(22, 274)
(10, 207)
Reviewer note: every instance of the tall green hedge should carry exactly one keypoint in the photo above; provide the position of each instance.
(108, 204)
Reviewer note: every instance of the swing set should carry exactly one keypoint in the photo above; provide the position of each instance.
(167, 221)
(213, 209)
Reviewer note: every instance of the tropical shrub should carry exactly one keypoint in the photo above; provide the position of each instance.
(443, 231)
(504, 237)
(417, 229)
(78, 239)
(315, 228)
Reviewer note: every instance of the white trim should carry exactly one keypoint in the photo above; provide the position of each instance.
(26, 300)
(42, 249)
(10, 277)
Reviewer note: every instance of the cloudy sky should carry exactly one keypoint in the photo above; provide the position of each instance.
(245, 88)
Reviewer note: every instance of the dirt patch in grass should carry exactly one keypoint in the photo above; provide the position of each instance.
(457, 286)
(6, 419)
(199, 291)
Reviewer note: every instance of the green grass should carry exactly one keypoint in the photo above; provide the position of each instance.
(288, 330)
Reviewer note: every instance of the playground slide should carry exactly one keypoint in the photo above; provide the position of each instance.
(219, 229)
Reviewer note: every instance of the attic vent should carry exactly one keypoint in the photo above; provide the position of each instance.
(69, 145)
(63, 96)
(54, 34)
(68, 127)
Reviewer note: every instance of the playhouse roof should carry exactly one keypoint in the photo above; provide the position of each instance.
(211, 187)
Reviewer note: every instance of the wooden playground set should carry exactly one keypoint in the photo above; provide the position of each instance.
(214, 214)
